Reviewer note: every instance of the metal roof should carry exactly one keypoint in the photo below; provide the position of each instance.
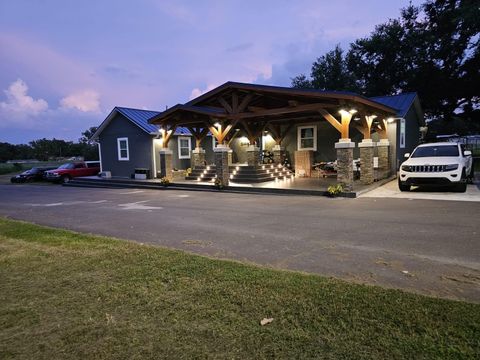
(401, 102)
(138, 117)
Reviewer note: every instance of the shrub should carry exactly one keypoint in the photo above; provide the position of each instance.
(164, 181)
(335, 190)
(219, 184)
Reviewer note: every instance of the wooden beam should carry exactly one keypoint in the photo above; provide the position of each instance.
(382, 129)
(254, 130)
(283, 110)
(245, 101)
(278, 134)
(167, 133)
(234, 102)
(220, 133)
(331, 119)
(225, 105)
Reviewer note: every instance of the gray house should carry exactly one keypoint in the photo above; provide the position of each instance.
(126, 141)
(302, 125)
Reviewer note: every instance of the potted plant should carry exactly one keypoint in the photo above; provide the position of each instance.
(218, 183)
(335, 190)
(165, 181)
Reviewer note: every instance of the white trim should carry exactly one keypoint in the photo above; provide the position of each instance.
(299, 129)
(100, 156)
(214, 142)
(120, 158)
(179, 140)
(402, 133)
(154, 155)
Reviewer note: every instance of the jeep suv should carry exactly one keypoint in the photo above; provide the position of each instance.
(437, 164)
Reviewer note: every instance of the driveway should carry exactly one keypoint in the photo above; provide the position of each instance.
(390, 190)
(429, 247)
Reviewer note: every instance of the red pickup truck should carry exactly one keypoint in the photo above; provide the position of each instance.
(66, 172)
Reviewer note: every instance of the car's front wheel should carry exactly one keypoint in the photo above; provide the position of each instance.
(402, 186)
(66, 179)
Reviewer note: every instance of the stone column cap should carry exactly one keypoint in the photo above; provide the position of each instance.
(344, 145)
(198, 151)
(383, 142)
(253, 148)
(366, 143)
(221, 148)
(278, 148)
(166, 151)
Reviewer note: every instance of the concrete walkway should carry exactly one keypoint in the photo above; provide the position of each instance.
(390, 190)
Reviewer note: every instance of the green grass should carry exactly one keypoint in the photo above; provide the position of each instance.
(69, 295)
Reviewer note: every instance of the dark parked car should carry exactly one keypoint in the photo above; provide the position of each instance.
(34, 174)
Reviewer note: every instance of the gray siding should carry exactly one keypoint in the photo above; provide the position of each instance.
(139, 146)
(327, 136)
(412, 134)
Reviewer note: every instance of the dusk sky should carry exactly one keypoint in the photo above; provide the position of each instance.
(65, 64)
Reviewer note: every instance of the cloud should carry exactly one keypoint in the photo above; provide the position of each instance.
(20, 103)
(240, 47)
(86, 101)
(197, 91)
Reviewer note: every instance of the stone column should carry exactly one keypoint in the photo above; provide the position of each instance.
(253, 156)
(198, 157)
(366, 161)
(221, 163)
(383, 158)
(278, 154)
(345, 163)
(166, 163)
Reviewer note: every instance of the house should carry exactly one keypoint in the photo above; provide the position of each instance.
(127, 141)
(231, 126)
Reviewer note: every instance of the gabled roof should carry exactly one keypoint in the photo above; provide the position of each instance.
(288, 91)
(139, 118)
(401, 102)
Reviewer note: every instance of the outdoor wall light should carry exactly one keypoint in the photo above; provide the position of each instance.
(392, 119)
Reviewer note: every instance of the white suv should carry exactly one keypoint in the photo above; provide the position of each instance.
(437, 164)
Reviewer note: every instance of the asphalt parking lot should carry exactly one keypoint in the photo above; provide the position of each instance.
(425, 246)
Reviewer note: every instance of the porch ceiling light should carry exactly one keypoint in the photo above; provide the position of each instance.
(217, 124)
(353, 111)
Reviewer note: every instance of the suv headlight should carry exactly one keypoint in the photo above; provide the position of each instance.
(407, 168)
(451, 167)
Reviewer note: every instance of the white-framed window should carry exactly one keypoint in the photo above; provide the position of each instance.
(122, 145)
(184, 147)
(307, 137)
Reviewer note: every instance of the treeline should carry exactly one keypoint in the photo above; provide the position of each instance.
(433, 49)
(45, 149)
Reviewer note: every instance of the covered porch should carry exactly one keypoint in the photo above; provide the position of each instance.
(277, 137)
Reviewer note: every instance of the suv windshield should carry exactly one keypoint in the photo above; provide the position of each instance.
(432, 151)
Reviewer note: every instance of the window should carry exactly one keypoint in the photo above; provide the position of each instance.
(122, 145)
(184, 147)
(307, 138)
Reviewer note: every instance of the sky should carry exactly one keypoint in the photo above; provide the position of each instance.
(65, 64)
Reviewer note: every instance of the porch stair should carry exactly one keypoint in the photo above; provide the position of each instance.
(262, 173)
(202, 173)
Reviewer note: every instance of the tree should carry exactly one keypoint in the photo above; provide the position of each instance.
(87, 135)
(433, 49)
(329, 72)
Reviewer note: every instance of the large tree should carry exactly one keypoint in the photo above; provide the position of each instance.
(433, 49)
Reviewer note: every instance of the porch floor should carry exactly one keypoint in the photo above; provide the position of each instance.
(309, 184)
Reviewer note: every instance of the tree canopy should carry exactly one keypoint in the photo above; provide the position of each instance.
(433, 49)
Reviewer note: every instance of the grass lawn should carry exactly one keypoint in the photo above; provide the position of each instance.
(69, 295)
